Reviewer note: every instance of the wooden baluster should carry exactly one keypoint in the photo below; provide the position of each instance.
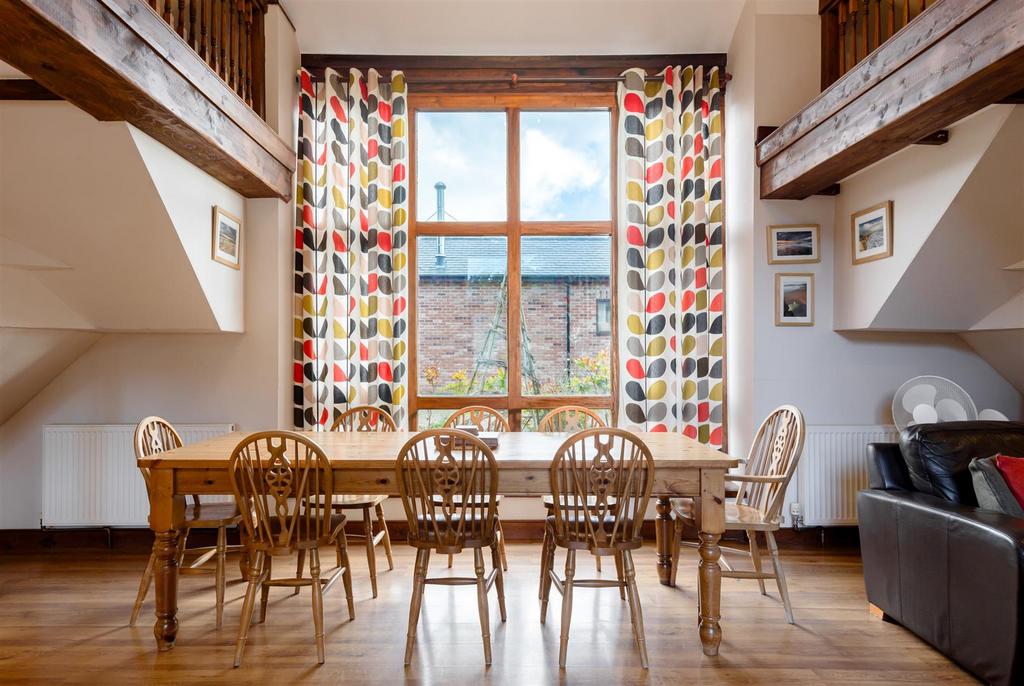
(225, 33)
(230, 79)
(251, 35)
(204, 30)
(867, 28)
(168, 4)
(152, 3)
(906, 13)
(239, 49)
(193, 33)
(214, 60)
(245, 33)
(842, 38)
(179, 24)
(259, 68)
(891, 18)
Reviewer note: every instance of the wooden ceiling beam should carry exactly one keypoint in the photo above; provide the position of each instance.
(25, 89)
(118, 61)
(951, 61)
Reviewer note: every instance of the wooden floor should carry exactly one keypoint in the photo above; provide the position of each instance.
(63, 618)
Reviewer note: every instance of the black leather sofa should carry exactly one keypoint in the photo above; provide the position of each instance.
(933, 561)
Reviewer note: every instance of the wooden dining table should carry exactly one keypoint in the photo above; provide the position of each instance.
(364, 463)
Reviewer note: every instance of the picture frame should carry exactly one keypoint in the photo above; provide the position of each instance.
(871, 233)
(793, 244)
(794, 299)
(227, 238)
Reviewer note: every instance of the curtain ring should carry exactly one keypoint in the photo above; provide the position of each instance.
(514, 81)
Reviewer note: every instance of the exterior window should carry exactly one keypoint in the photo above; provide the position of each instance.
(512, 266)
(604, 317)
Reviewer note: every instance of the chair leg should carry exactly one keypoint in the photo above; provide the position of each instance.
(619, 573)
(346, 576)
(147, 579)
(545, 582)
(298, 568)
(418, 583)
(499, 578)
(677, 537)
(634, 606)
(597, 563)
(780, 576)
(383, 526)
(451, 559)
(265, 592)
(318, 603)
(182, 539)
(755, 557)
(501, 543)
(481, 599)
(570, 572)
(543, 564)
(371, 555)
(255, 580)
(222, 554)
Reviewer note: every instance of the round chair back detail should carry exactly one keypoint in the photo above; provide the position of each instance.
(448, 482)
(570, 418)
(364, 418)
(282, 480)
(775, 452)
(154, 435)
(480, 416)
(601, 480)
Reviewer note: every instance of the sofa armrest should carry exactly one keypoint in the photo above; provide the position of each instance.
(887, 471)
(953, 574)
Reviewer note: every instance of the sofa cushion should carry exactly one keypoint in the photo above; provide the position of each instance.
(1012, 469)
(938, 456)
(992, 489)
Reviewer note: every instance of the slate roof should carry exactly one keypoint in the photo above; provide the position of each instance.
(542, 257)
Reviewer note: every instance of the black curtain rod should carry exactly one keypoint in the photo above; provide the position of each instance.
(515, 79)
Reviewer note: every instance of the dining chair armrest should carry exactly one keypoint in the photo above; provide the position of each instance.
(753, 478)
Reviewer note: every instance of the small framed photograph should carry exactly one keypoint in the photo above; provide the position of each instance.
(794, 300)
(793, 244)
(227, 238)
(872, 233)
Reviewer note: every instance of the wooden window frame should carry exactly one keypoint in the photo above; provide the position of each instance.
(513, 229)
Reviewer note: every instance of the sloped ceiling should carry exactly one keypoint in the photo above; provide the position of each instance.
(519, 27)
(87, 241)
(957, 278)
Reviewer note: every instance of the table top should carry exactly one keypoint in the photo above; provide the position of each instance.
(372, 450)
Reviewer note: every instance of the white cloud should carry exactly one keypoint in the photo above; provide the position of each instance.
(549, 171)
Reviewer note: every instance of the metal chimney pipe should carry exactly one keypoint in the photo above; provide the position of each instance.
(440, 257)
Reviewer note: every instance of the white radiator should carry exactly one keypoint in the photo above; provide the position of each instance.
(833, 468)
(90, 477)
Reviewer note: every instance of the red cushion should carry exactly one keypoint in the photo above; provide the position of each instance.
(1012, 469)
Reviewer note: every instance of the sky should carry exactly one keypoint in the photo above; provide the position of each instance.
(564, 159)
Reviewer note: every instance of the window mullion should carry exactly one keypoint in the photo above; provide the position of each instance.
(514, 304)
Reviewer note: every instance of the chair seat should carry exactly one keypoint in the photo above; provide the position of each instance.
(437, 500)
(549, 501)
(737, 517)
(211, 515)
(356, 501)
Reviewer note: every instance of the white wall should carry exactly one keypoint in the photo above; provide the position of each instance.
(834, 378)
(242, 378)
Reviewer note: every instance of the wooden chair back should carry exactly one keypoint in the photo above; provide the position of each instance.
(570, 418)
(364, 418)
(775, 452)
(483, 418)
(601, 480)
(448, 482)
(154, 435)
(283, 485)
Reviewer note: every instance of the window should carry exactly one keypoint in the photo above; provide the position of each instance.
(603, 320)
(513, 279)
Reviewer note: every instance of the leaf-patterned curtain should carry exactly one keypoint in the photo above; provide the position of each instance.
(671, 252)
(351, 247)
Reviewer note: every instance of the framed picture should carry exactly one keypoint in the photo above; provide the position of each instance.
(872, 233)
(793, 244)
(227, 238)
(794, 300)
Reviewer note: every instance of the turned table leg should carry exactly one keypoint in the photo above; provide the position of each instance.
(712, 506)
(166, 573)
(663, 531)
(166, 511)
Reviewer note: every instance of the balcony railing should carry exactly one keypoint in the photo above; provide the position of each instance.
(852, 29)
(228, 35)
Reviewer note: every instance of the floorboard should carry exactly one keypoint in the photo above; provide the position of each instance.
(63, 619)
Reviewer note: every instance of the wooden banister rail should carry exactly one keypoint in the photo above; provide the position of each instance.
(229, 36)
(853, 29)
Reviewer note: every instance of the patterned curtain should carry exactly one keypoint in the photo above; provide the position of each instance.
(671, 253)
(351, 247)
